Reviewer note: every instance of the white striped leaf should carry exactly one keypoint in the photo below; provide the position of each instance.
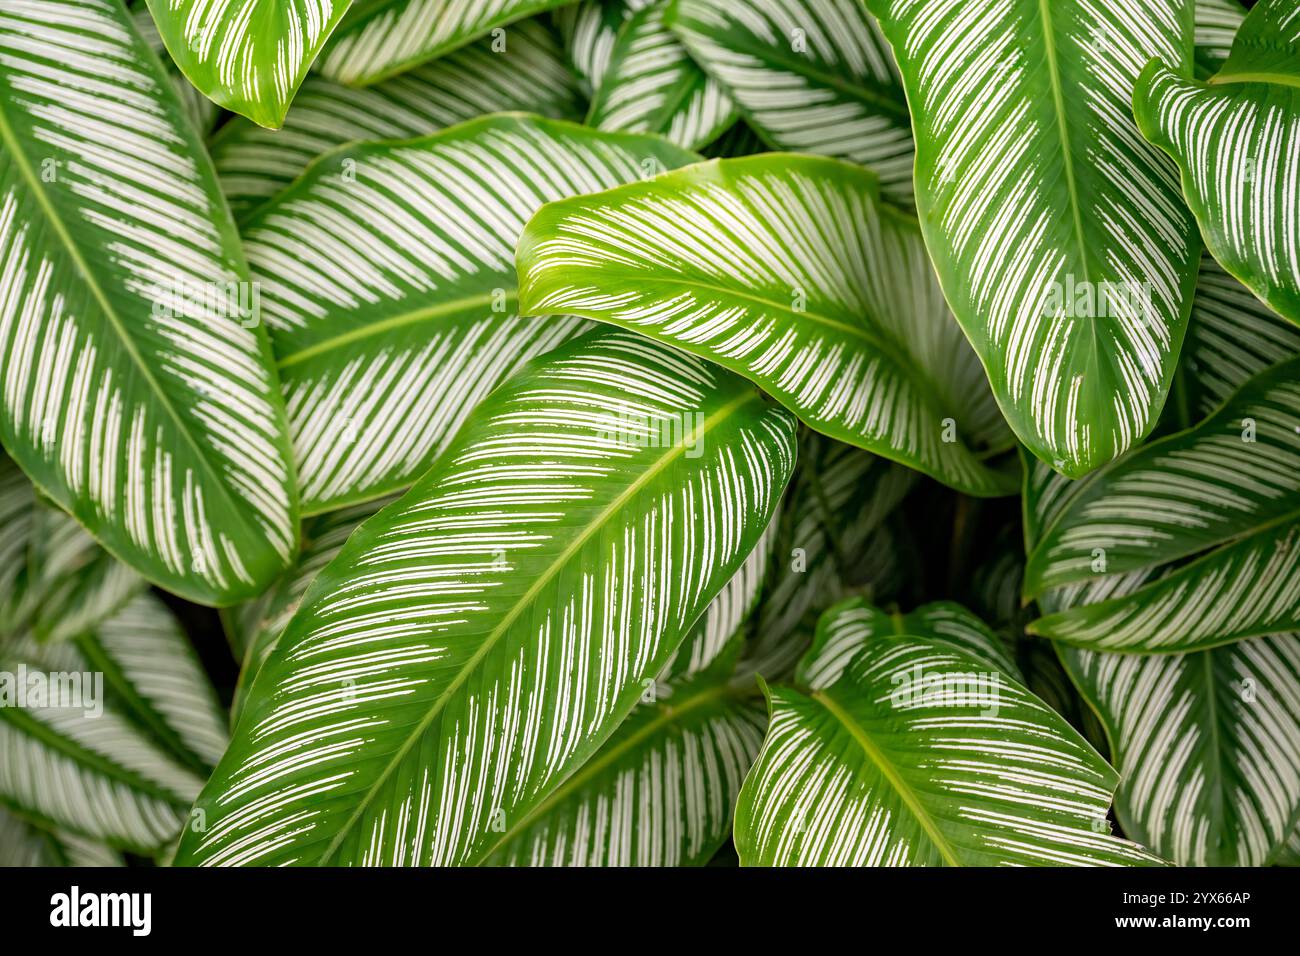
(17, 518)
(154, 678)
(1231, 484)
(1217, 23)
(1205, 742)
(589, 29)
(1058, 233)
(25, 845)
(248, 56)
(918, 756)
(203, 113)
(854, 624)
(134, 395)
(1232, 338)
(254, 163)
(88, 769)
(253, 628)
(791, 271)
(652, 85)
(660, 792)
(1207, 746)
(1236, 140)
(381, 38)
(810, 76)
(476, 642)
(832, 541)
(389, 281)
(71, 583)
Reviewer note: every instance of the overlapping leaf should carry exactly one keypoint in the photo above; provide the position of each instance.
(381, 38)
(589, 29)
(477, 641)
(389, 281)
(1230, 484)
(1059, 235)
(254, 163)
(1217, 23)
(25, 845)
(248, 56)
(854, 624)
(916, 756)
(1236, 140)
(793, 272)
(135, 394)
(651, 85)
(811, 76)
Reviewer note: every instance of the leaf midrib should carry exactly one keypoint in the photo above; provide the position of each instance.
(413, 317)
(522, 603)
(891, 775)
(13, 146)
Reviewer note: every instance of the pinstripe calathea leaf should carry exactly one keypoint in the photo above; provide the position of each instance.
(390, 287)
(921, 754)
(652, 85)
(381, 38)
(136, 394)
(661, 790)
(1217, 23)
(1225, 494)
(248, 56)
(589, 29)
(1058, 233)
(810, 76)
(476, 642)
(1236, 140)
(254, 163)
(26, 845)
(110, 736)
(792, 271)
(203, 113)
(853, 624)
(1207, 743)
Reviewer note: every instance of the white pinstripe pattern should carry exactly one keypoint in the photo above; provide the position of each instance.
(1238, 146)
(154, 421)
(247, 55)
(1217, 23)
(716, 259)
(478, 640)
(391, 297)
(812, 76)
(851, 777)
(255, 163)
(853, 624)
(382, 38)
(22, 844)
(588, 30)
(1207, 746)
(652, 85)
(1033, 177)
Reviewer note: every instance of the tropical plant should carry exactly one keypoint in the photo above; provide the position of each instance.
(649, 432)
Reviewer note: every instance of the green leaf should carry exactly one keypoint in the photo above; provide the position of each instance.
(1207, 746)
(854, 624)
(254, 164)
(1231, 484)
(476, 642)
(791, 271)
(134, 396)
(381, 38)
(1231, 339)
(1059, 236)
(82, 766)
(652, 85)
(17, 518)
(1234, 140)
(589, 29)
(25, 845)
(389, 280)
(659, 793)
(1217, 23)
(920, 756)
(202, 112)
(248, 56)
(810, 76)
